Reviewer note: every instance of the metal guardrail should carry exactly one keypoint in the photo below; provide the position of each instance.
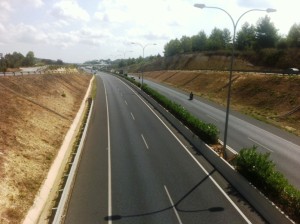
(60, 210)
(21, 73)
(32, 73)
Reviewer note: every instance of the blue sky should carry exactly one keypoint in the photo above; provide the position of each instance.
(81, 30)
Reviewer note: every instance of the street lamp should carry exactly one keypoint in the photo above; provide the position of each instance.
(124, 52)
(202, 6)
(143, 47)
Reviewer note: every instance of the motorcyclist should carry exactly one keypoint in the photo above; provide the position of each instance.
(191, 95)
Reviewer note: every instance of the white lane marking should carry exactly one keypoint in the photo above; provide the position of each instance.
(145, 141)
(126, 103)
(173, 206)
(269, 134)
(109, 160)
(192, 156)
(132, 116)
(260, 144)
(215, 119)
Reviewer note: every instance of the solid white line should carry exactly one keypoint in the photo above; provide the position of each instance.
(173, 206)
(204, 170)
(132, 116)
(109, 160)
(145, 141)
(260, 144)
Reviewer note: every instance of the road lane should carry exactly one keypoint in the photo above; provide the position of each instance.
(88, 202)
(245, 132)
(120, 180)
(140, 176)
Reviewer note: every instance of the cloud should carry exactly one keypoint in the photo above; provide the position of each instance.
(35, 3)
(5, 6)
(27, 34)
(6, 9)
(155, 37)
(253, 3)
(69, 10)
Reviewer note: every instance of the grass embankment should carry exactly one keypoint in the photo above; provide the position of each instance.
(266, 97)
(35, 113)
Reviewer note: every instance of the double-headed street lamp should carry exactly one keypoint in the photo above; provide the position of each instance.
(143, 47)
(202, 6)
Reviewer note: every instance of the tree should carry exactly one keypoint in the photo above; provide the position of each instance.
(245, 38)
(266, 34)
(29, 59)
(59, 62)
(186, 44)
(2, 64)
(293, 37)
(219, 39)
(172, 48)
(199, 42)
(13, 60)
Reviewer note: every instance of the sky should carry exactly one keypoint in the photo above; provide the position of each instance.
(76, 31)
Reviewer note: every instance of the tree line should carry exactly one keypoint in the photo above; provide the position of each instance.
(16, 60)
(249, 37)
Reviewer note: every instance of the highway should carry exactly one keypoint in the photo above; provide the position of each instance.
(136, 169)
(244, 131)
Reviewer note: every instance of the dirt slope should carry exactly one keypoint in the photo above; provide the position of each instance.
(35, 113)
(272, 98)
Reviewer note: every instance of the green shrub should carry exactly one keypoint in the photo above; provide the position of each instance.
(207, 132)
(260, 171)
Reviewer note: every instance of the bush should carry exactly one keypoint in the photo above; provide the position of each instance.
(260, 171)
(207, 132)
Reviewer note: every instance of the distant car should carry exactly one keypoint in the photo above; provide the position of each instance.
(291, 71)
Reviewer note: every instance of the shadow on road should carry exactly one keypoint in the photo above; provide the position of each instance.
(176, 205)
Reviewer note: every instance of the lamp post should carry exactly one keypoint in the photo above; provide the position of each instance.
(124, 52)
(202, 6)
(143, 47)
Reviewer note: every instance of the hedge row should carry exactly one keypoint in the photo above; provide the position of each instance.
(261, 172)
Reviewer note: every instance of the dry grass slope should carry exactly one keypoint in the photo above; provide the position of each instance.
(266, 97)
(35, 114)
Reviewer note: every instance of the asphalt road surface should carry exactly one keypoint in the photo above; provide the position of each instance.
(244, 132)
(135, 169)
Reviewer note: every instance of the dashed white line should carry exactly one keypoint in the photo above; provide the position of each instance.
(260, 145)
(215, 119)
(173, 206)
(126, 102)
(145, 141)
(132, 116)
(192, 156)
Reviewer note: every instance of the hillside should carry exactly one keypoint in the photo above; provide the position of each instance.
(35, 113)
(271, 98)
(194, 62)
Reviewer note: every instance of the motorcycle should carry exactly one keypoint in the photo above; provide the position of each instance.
(191, 95)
